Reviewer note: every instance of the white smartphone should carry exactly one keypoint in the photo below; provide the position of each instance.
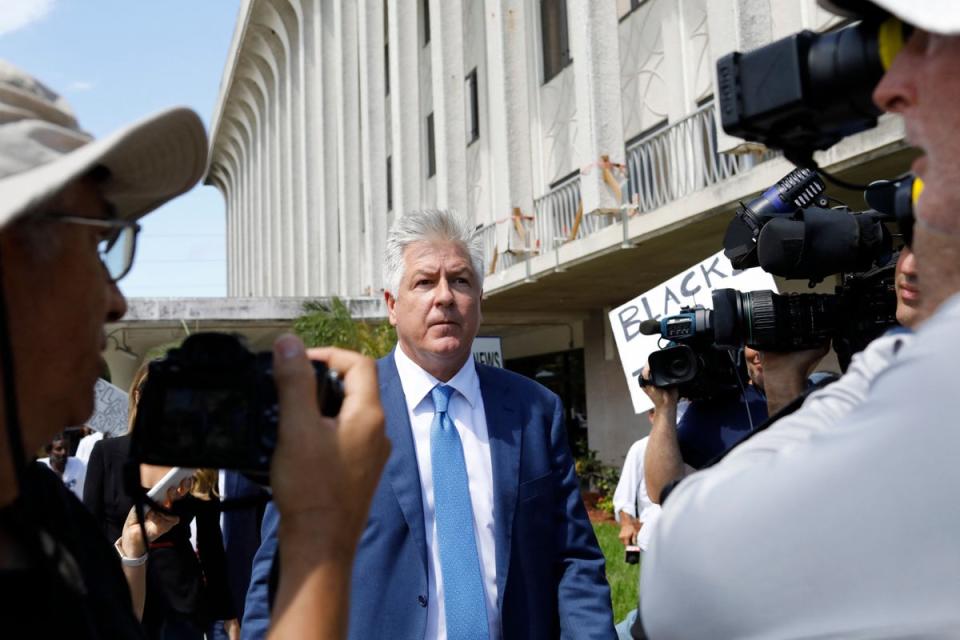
(172, 479)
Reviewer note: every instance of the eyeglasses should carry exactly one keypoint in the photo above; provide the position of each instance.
(117, 248)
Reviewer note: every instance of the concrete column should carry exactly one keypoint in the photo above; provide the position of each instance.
(331, 71)
(736, 25)
(237, 148)
(270, 29)
(405, 104)
(244, 120)
(373, 142)
(258, 171)
(288, 22)
(251, 91)
(221, 177)
(612, 424)
(509, 101)
(271, 184)
(314, 237)
(242, 211)
(348, 147)
(448, 103)
(595, 46)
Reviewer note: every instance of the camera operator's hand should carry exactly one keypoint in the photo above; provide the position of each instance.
(324, 473)
(664, 399)
(785, 374)
(629, 528)
(662, 461)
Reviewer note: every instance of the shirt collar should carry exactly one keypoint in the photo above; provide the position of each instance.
(417, 383)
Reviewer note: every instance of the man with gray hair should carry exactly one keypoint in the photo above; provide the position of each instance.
(477, 530)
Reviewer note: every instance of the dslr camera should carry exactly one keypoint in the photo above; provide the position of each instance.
(213, 403)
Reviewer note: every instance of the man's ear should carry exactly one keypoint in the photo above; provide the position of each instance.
(391, 303)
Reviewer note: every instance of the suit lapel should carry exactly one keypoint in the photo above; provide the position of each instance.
(504, 432)
(402, 470)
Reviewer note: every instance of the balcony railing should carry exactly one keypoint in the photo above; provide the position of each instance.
(679, 160)
(665, 166)
(558, 217)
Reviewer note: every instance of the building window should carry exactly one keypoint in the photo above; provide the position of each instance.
(431, 148)
(389, 183)
(555, 37)
(472, 98)
(426, 22)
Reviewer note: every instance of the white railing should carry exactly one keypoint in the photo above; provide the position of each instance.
(662, 167)
(558, 217)
(681, 159)
(488, 238)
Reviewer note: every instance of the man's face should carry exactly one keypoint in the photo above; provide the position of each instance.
(58, 305)
(923, 86)
(754, 366)
(909, 300)
(59, 454)
(437, 308)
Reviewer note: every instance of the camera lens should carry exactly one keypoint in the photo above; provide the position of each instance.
(761, 316)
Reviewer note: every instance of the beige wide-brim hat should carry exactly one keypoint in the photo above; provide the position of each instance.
(935, 16)
(42, 149)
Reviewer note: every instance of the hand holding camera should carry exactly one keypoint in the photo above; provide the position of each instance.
(320, 460)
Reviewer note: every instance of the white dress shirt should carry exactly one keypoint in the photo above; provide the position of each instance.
(631, 493)
(466, 411)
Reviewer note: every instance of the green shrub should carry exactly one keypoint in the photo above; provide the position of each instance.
(331, 325)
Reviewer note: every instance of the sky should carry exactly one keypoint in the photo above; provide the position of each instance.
(116, 61)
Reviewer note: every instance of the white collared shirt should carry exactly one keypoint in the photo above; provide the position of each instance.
(466, 411)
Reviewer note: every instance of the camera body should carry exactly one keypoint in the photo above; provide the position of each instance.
(213, 403)
(691, 362)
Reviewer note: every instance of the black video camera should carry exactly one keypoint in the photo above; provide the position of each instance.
(785, 234)
(863, 307)
(807, 91)
(789, 232)
(213, 403)
(691, 362)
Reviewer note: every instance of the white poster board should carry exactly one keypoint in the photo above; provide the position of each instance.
(111, 409)
(693, 286)
(488, 350)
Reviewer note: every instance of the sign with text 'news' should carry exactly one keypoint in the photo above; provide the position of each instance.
(488, 350)
(693, 286)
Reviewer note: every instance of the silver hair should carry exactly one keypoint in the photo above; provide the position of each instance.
(428, 224)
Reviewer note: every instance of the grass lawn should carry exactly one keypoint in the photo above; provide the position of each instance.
(621, 576)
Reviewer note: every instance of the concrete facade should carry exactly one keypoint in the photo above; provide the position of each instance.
(587, 188)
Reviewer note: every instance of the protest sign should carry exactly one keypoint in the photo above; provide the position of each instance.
(110, 409)
(693, 286)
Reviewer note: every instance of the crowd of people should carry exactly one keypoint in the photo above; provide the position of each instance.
(442, 501)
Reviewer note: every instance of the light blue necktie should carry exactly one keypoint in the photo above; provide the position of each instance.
(463, 599)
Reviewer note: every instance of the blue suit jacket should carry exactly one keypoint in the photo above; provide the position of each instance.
(550, 571)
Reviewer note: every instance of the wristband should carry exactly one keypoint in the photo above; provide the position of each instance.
(124, 560)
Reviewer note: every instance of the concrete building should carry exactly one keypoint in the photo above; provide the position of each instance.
(579, 136)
